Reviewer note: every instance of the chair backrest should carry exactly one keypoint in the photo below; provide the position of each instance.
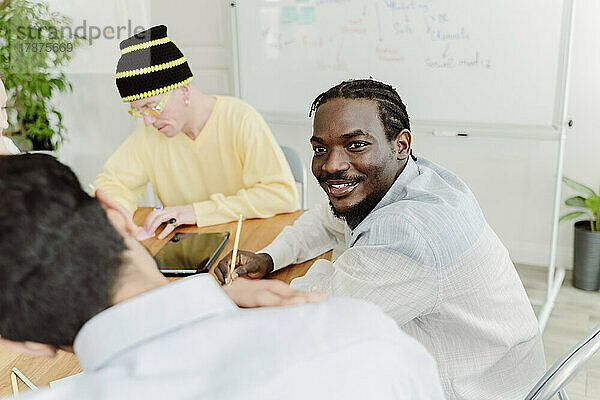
(298, 170)
(566, 367)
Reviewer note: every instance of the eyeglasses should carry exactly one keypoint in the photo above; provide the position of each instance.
(151, 111)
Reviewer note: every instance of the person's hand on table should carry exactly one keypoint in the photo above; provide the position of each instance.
(173, 216)
(248, 264)
(247, 293)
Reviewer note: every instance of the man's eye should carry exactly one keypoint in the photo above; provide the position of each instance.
(319, 149)
(356, 145)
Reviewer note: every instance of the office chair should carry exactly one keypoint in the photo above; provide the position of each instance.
(554, 381)
(298, 170)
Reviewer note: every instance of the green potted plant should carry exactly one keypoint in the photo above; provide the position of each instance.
(586, 249)
(34, 48)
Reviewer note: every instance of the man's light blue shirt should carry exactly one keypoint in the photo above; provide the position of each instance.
(428, 258)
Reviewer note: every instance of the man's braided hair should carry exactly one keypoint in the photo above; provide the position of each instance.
(392, 111)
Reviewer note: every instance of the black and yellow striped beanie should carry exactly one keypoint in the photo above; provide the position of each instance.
(150, 64)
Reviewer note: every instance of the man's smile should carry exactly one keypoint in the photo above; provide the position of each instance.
(340, 188)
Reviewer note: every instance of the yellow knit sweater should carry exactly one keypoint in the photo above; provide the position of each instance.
(233, 167)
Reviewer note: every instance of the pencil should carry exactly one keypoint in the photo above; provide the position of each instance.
(24, 379)
(13, 381)
(235, 247)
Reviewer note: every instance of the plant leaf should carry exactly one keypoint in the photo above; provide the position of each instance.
(587, 191)
(593, 203)
(58, 83)
(34, 76)
(572, 215)
(577, 201)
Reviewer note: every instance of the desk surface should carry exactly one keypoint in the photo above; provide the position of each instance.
(256, 234)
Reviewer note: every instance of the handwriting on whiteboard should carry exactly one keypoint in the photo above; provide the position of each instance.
(337, 34)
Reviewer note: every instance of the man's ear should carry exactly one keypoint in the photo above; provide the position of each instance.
(118, 216)
(186, 90)
(403, 142)
(34, 349)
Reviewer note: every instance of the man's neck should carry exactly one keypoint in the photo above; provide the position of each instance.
(200, 108)
(135, 287)
(138, 275)
(364, 208)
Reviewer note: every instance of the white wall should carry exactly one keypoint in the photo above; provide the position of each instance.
(513, 179)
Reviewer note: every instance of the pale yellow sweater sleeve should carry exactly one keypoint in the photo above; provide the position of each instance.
(124, 177)
(269, 186)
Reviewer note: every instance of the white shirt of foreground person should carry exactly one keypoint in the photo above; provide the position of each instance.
(9, 145)
(428, 258)
(188, 340)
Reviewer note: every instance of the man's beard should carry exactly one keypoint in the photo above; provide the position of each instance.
(357, 213)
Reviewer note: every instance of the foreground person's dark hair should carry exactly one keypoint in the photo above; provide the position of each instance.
(59, 254)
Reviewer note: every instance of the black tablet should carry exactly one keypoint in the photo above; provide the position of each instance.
(190, 253)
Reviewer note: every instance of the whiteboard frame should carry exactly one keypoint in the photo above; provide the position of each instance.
(235, 49)
(556, 275)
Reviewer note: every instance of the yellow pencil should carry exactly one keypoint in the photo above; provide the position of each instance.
(235, 247)
(13, 381)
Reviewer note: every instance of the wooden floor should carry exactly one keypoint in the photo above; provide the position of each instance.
(575, 313)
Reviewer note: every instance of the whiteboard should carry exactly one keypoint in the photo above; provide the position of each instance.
(495, 66)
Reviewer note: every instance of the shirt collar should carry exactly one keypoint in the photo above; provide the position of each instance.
(150, 314)
(398, 189)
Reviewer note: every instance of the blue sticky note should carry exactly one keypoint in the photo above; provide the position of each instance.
(307, 15)
(288, 15)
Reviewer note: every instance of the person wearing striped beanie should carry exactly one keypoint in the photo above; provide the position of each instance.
(208, 158)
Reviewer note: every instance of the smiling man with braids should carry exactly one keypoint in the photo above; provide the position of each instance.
(417, 245)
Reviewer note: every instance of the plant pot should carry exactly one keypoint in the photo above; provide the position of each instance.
(586, 257)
